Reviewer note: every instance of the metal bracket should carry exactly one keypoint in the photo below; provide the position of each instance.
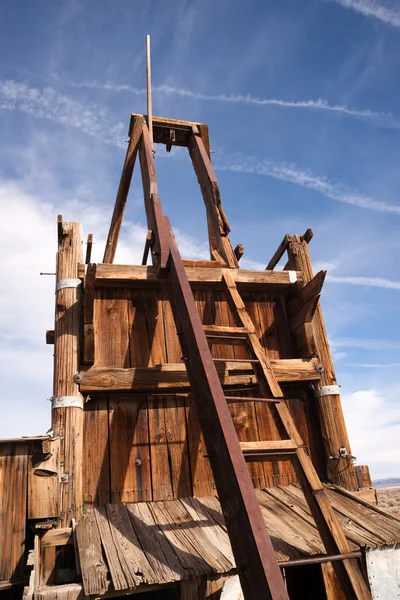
(327, 390)
(64, 401)
(292, 276)
(67, 283)
(64, 477)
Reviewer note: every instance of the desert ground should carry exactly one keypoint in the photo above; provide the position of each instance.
(389, 498)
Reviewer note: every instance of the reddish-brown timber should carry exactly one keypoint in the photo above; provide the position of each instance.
(258, 568)
(123, 190)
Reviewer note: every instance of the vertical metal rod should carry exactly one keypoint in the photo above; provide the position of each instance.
(149, 98)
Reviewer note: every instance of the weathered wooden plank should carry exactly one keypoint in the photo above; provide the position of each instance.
(94, 569)
(129, 449)
(160, 555)
(278, 254)
(132, 558)
(112, 379)
(57, 537)
(96, 464)
(107, 274)
(117, 573)
(13, 492)
(161, 482)
(88, 315)
(44, 491)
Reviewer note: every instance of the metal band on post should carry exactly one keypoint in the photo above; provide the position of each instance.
(292, 276)
(65, 401)
(327, 390)
(67, 283)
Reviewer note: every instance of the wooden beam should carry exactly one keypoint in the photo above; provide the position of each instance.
(147, 246)
(88, 311)
(182, 129)
(123, 190)
(307, 236)
(303, 295)
(57, 537)
(239, 251)
(333, 426)
(278, 254)
(89, 245)
(261, 451)
(218, 226)
(154, 213)
(259, 572)
(107, 274)
(174, 375)
(67, 422)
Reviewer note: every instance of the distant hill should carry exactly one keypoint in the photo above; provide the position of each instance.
(389, 482)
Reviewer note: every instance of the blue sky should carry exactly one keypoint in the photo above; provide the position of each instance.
(302, 101)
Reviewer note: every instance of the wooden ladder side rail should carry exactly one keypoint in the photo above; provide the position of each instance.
(334, 431)
(218, 226)
(235, 299)
(123, 190)
(254, 554)
(331, 532)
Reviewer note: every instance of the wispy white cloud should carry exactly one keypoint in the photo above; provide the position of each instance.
(368, 281)
(292, 173)
(381, 119)
(370, 8)
(375, 365)
(364, 343)
(46, 103)
(93, 120)
(373, 422)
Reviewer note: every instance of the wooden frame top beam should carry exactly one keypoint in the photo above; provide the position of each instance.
(162, 127)
(139, 275)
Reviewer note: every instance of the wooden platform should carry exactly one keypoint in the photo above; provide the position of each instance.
(152, 543)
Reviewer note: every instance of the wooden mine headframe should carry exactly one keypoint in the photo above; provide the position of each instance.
(256, 562)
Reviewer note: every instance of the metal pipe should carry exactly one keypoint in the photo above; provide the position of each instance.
(149, 97)
(318, 560)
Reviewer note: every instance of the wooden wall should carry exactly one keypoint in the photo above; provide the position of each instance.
(13, 506)
(151, 447)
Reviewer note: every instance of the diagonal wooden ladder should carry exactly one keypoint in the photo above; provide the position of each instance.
(255, 557)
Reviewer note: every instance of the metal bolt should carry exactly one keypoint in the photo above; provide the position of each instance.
(319, 368)
(138, 462)
(78, 378)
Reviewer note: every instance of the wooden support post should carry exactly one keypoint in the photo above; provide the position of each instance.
(218, 226)
(89, 245)
(123, 190)
(154, 213)
(255, 558)
(334, 434)
(67, 419)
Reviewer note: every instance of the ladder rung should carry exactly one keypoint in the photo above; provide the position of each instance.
(250, 399)
(226, 360)
(224, 329)
(226, 339)
(260, 451)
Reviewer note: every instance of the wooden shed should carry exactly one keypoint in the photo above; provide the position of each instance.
(197, 429)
